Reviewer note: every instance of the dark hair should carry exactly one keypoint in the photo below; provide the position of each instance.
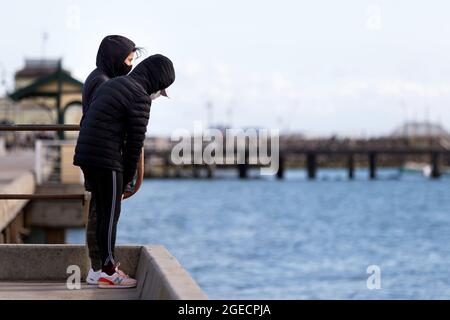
(140, 52)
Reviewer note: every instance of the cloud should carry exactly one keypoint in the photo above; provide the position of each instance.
(322, 103)
(402, 88)
(191, 68)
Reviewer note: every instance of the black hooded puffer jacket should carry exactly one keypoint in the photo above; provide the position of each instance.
(113, 132)
(110, 64)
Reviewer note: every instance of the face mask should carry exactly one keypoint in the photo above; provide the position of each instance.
(125, 69)
(155, 95)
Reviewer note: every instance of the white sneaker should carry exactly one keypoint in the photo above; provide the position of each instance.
(120, 271)
(93, 276)
(116, 281)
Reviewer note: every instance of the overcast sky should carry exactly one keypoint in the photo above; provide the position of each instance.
(320, 67)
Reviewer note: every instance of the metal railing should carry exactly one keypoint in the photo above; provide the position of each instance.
(40, 127)
(12, 196)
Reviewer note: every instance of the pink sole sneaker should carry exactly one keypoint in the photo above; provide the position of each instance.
(116, 281)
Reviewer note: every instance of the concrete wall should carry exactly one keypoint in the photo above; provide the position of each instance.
(50, 262)
(69, 172)
(14, 182)
(57, 213)
(2, 146)
(159, 274)
(162, 277)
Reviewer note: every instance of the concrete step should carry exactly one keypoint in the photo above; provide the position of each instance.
(39, 290)
(41, 272)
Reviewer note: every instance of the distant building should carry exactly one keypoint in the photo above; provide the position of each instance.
(420, 130)
(33, 69)
(157, 143)
(45, 93)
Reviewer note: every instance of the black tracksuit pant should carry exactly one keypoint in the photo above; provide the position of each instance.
(106, 189)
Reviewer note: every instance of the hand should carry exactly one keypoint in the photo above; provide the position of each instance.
(128, 191)
(126, 194)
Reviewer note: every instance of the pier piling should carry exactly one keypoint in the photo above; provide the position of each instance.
(280, 171)
(435, 172)
(372, 165)
(243, 167)
(311, 165)
(351, 167)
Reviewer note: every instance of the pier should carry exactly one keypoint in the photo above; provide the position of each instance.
(435, 155)
(303, 157)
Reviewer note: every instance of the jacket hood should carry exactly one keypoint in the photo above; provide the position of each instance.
(111, 55)
(154, 73)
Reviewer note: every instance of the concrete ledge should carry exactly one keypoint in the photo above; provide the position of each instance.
(164, 277)
(49, 262)
(51, 290)
(22, 182)
(42, 269)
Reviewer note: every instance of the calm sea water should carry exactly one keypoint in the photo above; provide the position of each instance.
(299, 239)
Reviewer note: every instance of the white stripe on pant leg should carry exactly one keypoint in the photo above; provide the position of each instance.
(111, 220)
